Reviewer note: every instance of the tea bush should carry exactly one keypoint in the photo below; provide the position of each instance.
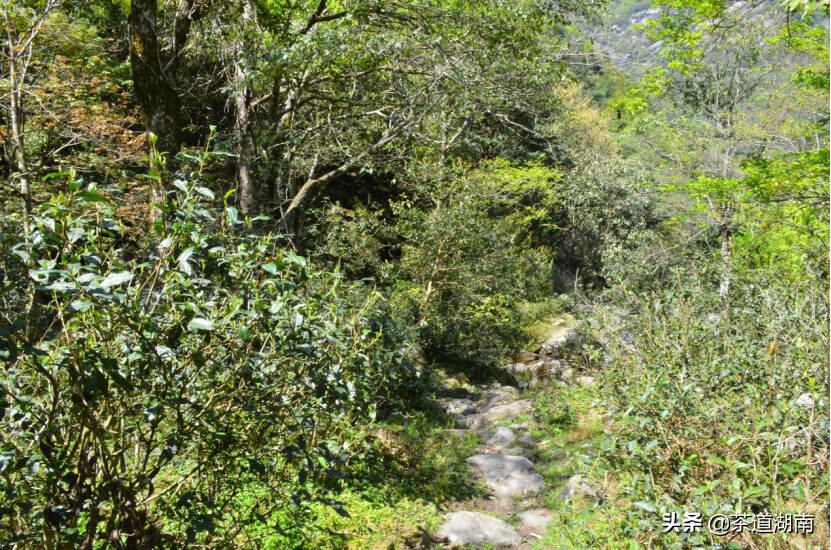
(182, 387)
(718, 408)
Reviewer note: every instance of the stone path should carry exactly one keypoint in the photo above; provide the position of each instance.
(492, 412)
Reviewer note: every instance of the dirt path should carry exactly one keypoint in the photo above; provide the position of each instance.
(513, 514)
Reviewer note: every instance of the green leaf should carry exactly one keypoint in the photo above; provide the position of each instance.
(233, 215)
(92, 196)
(183, 260)
(205, 192)
(80, 306)
(114, 279)
(646, 507)
(200, 323)
(717, 460)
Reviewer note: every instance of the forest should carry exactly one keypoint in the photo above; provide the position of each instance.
(535, 274)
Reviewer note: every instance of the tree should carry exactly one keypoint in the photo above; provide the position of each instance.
(712, 109)
(156, 70)
(319, 89)
(23, 23)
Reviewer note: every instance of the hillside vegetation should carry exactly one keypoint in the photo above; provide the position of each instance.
(272, 271)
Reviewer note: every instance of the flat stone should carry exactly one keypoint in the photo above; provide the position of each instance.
(585, 381)
(536, 519)
(553, 365)
(495, 396)
(474, 422)
(567, 374)
(578, 487)
(508, 410)
(561, 337)
(476, 528)
(507, 475)
(501, 436)
(515, 368)
(526, 357)
(455, 407)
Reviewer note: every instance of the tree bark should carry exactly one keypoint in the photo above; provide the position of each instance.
(726, 252)
(16, 115)
(159, 102)
(242, 126)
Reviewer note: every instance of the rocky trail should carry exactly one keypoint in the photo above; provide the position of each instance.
(513, 514)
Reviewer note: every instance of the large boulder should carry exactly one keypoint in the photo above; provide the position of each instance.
(517, 368)
(507, 475)
(474, 528)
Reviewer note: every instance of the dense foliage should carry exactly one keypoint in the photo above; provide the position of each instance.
(239, 241)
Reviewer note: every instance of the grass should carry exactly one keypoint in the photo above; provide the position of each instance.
(543, 317)
(571, 433)
(395, 496)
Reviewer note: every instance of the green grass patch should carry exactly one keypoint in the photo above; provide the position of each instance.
(394, 497)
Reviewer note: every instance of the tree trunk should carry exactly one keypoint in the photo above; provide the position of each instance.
(16, 115)
(726, 251)
(159, 102)
(242, 106)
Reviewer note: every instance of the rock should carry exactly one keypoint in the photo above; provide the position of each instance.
(508, 410)
(561, 384)
(536, 519)
(476, 528)
(528, 440)
(501, 436)
(456, 407)
(515, 368)
(458, 393)
(474, 422)
(561, 337)
(567, 374)
(577, 487)
(527, 357)
(553, 365)
(585, 381)
(535, 368)
(507, 475)
(805, 400)
(494, 396)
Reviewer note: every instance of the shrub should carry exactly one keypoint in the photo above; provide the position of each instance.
(720, 410)
(186, 387)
